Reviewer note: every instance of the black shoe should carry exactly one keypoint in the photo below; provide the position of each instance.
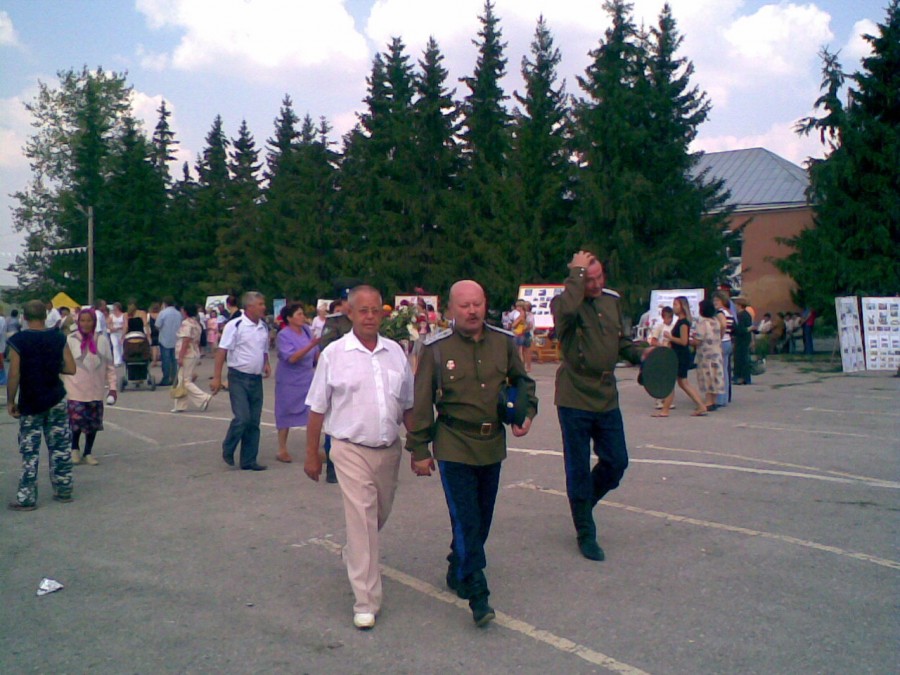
(255, 467)
(482, 612)
(590, 549)
(228, 459)
(163, 383)
(454, 583)
(330, 475)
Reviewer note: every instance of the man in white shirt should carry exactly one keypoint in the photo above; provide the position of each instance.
(53, 317)
(362, 391)
(244, 345)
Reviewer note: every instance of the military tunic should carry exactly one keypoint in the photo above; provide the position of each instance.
(336, 326)
(592, 340)
(465, 391)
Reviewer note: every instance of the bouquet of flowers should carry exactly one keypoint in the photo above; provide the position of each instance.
(400, 325)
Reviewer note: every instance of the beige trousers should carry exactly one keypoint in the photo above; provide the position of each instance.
(368, 481)
(195, 394)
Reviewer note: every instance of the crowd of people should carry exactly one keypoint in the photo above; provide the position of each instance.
(354, 388)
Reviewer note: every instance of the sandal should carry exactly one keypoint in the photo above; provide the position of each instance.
(659, 414)
(699, 413)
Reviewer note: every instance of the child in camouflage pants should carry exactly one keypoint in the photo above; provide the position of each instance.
(37, 357)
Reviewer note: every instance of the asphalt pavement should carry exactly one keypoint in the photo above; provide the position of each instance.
(762, 538)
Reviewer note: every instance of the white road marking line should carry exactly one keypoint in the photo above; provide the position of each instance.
(774, 427)
(140, 437)
(852, 412)
(865, 557)
(838, 478)
(505, 620)
(866, 479)
(184, 414)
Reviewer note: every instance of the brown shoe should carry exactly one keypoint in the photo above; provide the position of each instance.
(16, 506)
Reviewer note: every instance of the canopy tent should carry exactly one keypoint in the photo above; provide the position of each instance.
(63, 300)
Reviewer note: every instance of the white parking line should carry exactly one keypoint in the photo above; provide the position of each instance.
(505, 620)
(799, 430)
(865, 557)
(184, 414)
(852, 412)
(866, 479)
(134, 434)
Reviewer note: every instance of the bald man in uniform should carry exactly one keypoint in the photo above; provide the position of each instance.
(461, 372)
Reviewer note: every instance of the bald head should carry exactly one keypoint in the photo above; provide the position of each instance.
(468, 305)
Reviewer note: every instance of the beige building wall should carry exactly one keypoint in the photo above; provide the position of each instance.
(768, 289)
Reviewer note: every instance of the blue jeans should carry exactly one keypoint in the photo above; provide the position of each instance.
(246, 395)
(470, 492)
(727, 350)
(169, 365)
(606, 430)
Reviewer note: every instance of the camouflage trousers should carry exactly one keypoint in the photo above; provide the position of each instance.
(53, 424)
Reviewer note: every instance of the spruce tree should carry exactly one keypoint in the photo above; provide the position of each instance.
(211, 216)
(163, 143)
(854, 246)
(540, 167)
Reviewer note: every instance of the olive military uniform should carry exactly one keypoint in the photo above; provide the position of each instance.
(592, 339)
(463, 377)
(336, 326)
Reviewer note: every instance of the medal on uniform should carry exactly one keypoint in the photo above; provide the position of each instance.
(451, 364)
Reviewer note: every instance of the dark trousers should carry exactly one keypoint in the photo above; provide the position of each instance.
(246, 395)
(579, 428)
(471, 492)
(807, 339)
(169, 365)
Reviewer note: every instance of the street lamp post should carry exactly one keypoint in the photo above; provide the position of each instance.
(90, 252)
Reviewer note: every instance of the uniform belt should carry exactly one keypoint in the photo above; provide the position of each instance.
(484, 429)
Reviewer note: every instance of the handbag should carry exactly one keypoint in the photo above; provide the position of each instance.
(178, 390)
(519, 329)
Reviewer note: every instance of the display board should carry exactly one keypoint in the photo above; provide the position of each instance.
(853, 357)
(881, 333)
(665, 298)
(213, 301)
(540, 296)
(277, 305)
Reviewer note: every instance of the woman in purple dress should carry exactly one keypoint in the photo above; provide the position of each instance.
(297, 351)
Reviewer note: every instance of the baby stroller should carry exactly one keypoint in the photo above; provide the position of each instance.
(137, 355)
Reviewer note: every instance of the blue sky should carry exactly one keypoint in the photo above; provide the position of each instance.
(237, 58)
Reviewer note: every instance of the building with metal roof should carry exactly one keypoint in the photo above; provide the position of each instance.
(768, 196)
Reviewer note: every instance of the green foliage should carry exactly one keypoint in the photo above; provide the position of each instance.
(854, 248)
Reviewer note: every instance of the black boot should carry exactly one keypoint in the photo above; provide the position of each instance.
(476, 587)
(583, 517)
(454, 583)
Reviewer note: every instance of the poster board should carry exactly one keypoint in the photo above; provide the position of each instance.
(666, 297)
(213, 301)
(432, 300)
(853, 357)
(881, 333)
(277, 305)
(540, 295)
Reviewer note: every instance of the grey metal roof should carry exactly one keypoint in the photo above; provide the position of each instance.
(756, 178)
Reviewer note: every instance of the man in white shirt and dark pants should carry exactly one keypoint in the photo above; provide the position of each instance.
(362, 391)
(244, 345)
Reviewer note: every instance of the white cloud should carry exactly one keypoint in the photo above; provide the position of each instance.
(857, 48)
(260, 38)
(779, 40)
(8, 36)
(15, 127)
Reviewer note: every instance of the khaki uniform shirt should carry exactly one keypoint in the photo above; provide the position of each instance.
(592, 340)
(336, 327)
(471, 376)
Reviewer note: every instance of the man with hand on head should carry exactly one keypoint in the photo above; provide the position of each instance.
(461, 372)
(361, 393)
(588, 321)
(244, 345)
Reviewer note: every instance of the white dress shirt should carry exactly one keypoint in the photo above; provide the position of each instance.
(362, 394)
(247, 344)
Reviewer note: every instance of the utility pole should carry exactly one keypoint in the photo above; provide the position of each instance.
(90, 252)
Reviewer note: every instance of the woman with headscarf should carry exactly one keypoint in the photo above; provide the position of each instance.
(722, 303)
(710, 370)
(86, 389)
(297, 351)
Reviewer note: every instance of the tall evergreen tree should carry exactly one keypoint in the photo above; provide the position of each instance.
(540, 165)
(163, 143)
(484, 219)
(78, 126)
(854, 247)
(238, 254)
(211, 215)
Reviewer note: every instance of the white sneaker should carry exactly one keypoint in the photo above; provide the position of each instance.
(76, 457)
(364, 620)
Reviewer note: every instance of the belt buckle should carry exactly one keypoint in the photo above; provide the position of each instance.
(486, 428)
